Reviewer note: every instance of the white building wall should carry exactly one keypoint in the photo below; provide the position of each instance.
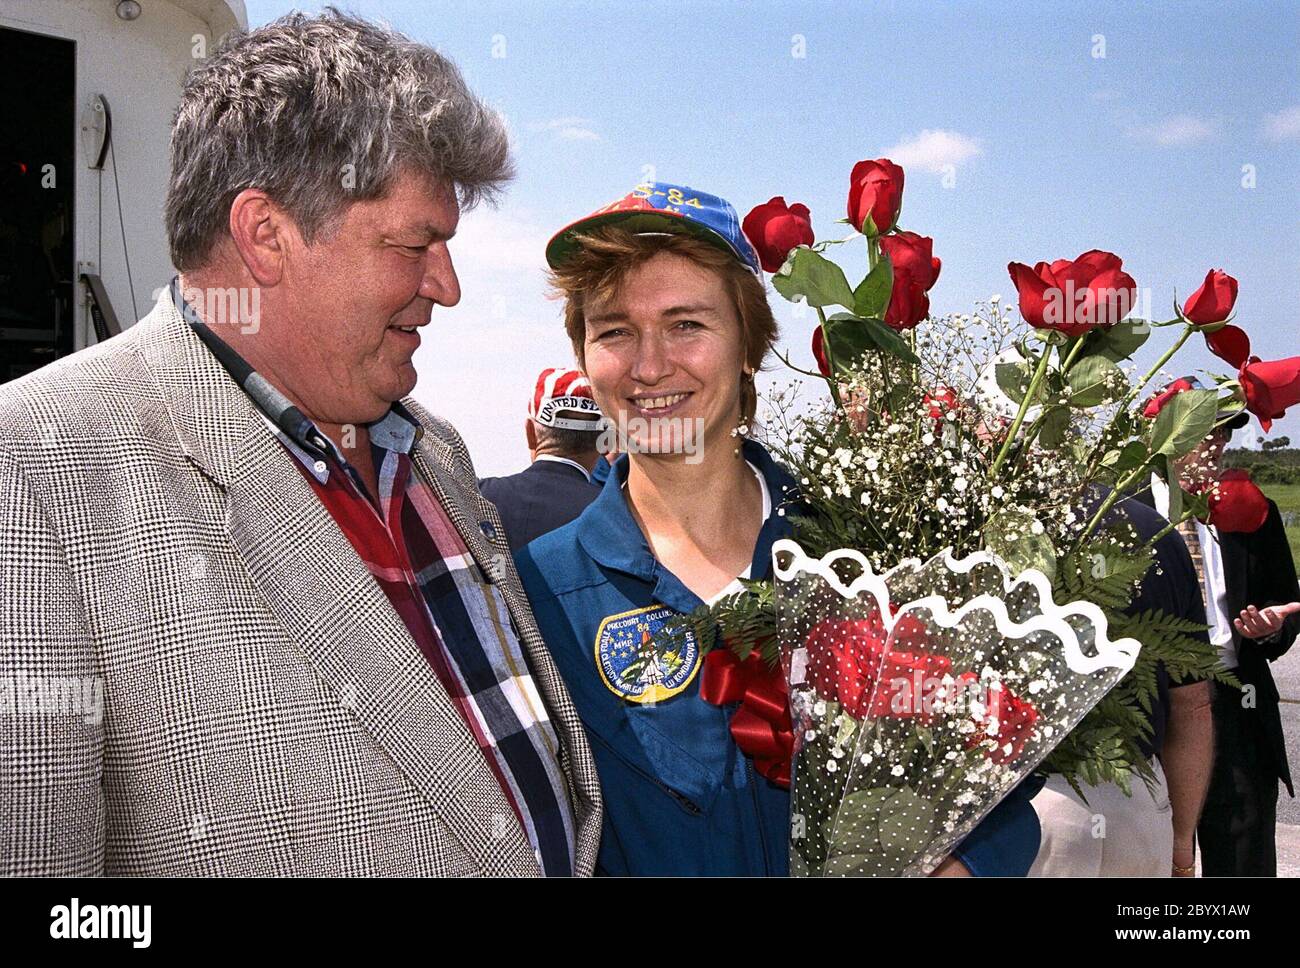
(138, 66)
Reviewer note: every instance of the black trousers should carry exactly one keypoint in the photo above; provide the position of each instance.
(1237, 830)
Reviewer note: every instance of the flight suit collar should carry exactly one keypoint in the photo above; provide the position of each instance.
(611, 536)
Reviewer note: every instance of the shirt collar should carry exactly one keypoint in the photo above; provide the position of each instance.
(556, 459)
(397, 430)
(610, 534)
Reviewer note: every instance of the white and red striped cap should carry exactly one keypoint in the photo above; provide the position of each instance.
(562, 391)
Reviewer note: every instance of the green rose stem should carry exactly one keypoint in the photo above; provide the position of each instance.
(1099, 449)
(1032, 433)
(1075, 348)
(1030, 393)
(1188, 330)
(1118, 492)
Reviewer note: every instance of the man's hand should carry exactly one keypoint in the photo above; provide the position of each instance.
(1260, 623)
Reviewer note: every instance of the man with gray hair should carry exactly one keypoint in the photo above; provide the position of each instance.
(314, 651)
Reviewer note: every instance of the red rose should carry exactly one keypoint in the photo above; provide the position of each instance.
(915, 272)
(1237, 503)
(819, 352)
(842, 661)
(1015, 718)
(913, 254)
(908, 302)
(775, 229)
(1213, 302)
(1157, 403)
(875, 189)
(908, 681)
(1229, 343)
(1074, 296)
(940, 402)
(1270, 387)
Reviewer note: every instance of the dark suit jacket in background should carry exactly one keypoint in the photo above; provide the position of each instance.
(1259, 571)
(1171, 586)
(546, 496)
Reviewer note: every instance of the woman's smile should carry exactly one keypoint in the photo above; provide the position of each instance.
(659, 404)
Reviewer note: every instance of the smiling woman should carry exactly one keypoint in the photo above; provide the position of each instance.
(656, 275)
(669, 319)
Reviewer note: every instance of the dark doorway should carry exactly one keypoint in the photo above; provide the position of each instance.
(37, 154)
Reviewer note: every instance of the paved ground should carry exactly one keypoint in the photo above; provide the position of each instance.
(1286, 671)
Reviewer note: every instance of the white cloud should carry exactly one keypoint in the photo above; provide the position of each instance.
(567, 129)
(933, 150)
(1284, 125)
(1183, 129)
(577, 134)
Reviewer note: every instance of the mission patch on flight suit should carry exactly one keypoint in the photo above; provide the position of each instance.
(634, 666)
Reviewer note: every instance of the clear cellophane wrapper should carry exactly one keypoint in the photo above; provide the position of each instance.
(921, 697)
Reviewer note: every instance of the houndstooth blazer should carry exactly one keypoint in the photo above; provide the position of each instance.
(265, 711)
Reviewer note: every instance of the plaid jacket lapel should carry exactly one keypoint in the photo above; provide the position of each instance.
(440, 459)
(326, 600)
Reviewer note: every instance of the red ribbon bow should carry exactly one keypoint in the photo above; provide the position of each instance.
(761, 726)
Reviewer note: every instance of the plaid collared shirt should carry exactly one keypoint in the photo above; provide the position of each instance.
(455, 615)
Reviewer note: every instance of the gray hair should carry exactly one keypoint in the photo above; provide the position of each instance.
(321, 112)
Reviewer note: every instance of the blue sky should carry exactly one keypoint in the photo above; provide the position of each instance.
(1147, 151)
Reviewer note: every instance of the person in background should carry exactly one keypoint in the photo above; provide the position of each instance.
(1150, 833)
(563, 428)
(1247, 579)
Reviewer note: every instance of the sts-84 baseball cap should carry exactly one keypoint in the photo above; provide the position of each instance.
(655, 207)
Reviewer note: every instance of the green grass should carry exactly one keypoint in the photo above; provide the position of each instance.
(1287, 497)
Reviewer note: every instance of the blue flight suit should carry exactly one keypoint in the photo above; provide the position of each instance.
(680, 797)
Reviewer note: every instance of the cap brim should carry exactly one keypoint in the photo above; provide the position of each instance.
(564, 243)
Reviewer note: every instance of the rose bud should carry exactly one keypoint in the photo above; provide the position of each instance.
(1157, 403)
(819, 353)
(913, 254)
(908, 302)
(875, 189)
(776, 228)
(1236, 502)
(1212, 303)
(1229, 343)
(1270, 388)
(915, 272)
(1074, 296)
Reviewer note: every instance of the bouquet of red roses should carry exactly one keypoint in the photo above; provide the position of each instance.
(953, 612)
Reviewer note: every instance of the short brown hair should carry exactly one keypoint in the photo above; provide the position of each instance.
(605, 257)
